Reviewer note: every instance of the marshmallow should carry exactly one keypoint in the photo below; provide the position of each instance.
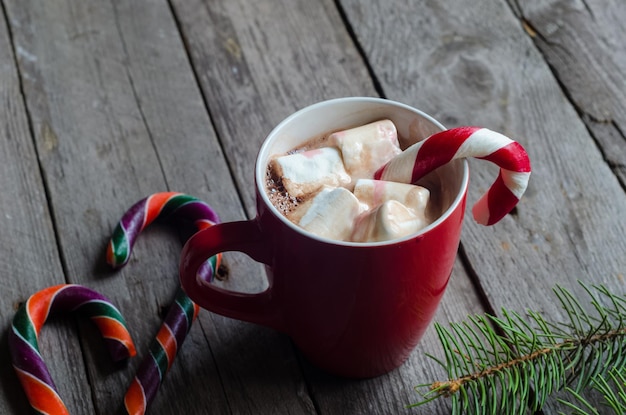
(306, 172)
(388, 221)
(375, 192)
(366, 148)
(331, 213)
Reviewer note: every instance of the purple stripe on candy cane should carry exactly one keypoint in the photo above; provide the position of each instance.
(177, 323)
(27, 359)
(66, 300)
(198, 211)
(133, 220)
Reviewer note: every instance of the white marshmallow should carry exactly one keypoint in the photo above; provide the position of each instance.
(331, 213)
(375, 192)
(366, 148)
(306, 172)
(388, 221)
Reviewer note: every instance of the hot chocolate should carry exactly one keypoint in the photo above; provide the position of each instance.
(325, 186)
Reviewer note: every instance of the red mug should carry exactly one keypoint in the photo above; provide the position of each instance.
(354, 309)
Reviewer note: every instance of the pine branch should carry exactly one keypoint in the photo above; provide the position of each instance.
(513, 365)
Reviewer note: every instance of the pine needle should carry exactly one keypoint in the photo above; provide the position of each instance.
(513, 364)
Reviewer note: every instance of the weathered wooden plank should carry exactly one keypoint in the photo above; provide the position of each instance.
(82, 120)
(30, 257)
(257, 62)
(478, 66)
(582, 41)
(117, 116)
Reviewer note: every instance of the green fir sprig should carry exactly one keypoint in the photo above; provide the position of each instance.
(513, 364)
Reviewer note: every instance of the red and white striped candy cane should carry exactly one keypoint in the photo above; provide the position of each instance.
(440, 148)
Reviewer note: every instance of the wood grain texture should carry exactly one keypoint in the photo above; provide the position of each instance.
(99, 156)
(582, 41)
(30, 258)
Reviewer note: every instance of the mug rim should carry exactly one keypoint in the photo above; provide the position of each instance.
(260, 172)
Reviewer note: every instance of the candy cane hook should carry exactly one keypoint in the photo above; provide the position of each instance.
(24, 334)
(440, 148)
(183, 311)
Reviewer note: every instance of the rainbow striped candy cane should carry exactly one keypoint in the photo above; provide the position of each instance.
(156, 207)
(183, 311)
(440, 148)
(30, 318)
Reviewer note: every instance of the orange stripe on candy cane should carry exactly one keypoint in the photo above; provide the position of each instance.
(113, 329)
(168, 342)
(135, 399)
(196, 307)
(110, 254)
(203, 224)
(155, 204)
(41, 397)
(38, 305)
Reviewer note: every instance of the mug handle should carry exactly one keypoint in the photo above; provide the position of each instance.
(243, 236)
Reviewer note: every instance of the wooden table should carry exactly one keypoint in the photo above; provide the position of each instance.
(105, 102)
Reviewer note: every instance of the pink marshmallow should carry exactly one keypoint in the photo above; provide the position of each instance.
(330, 214)
(367, 148)
(391, 220)
(306, 172)
(375, 192)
